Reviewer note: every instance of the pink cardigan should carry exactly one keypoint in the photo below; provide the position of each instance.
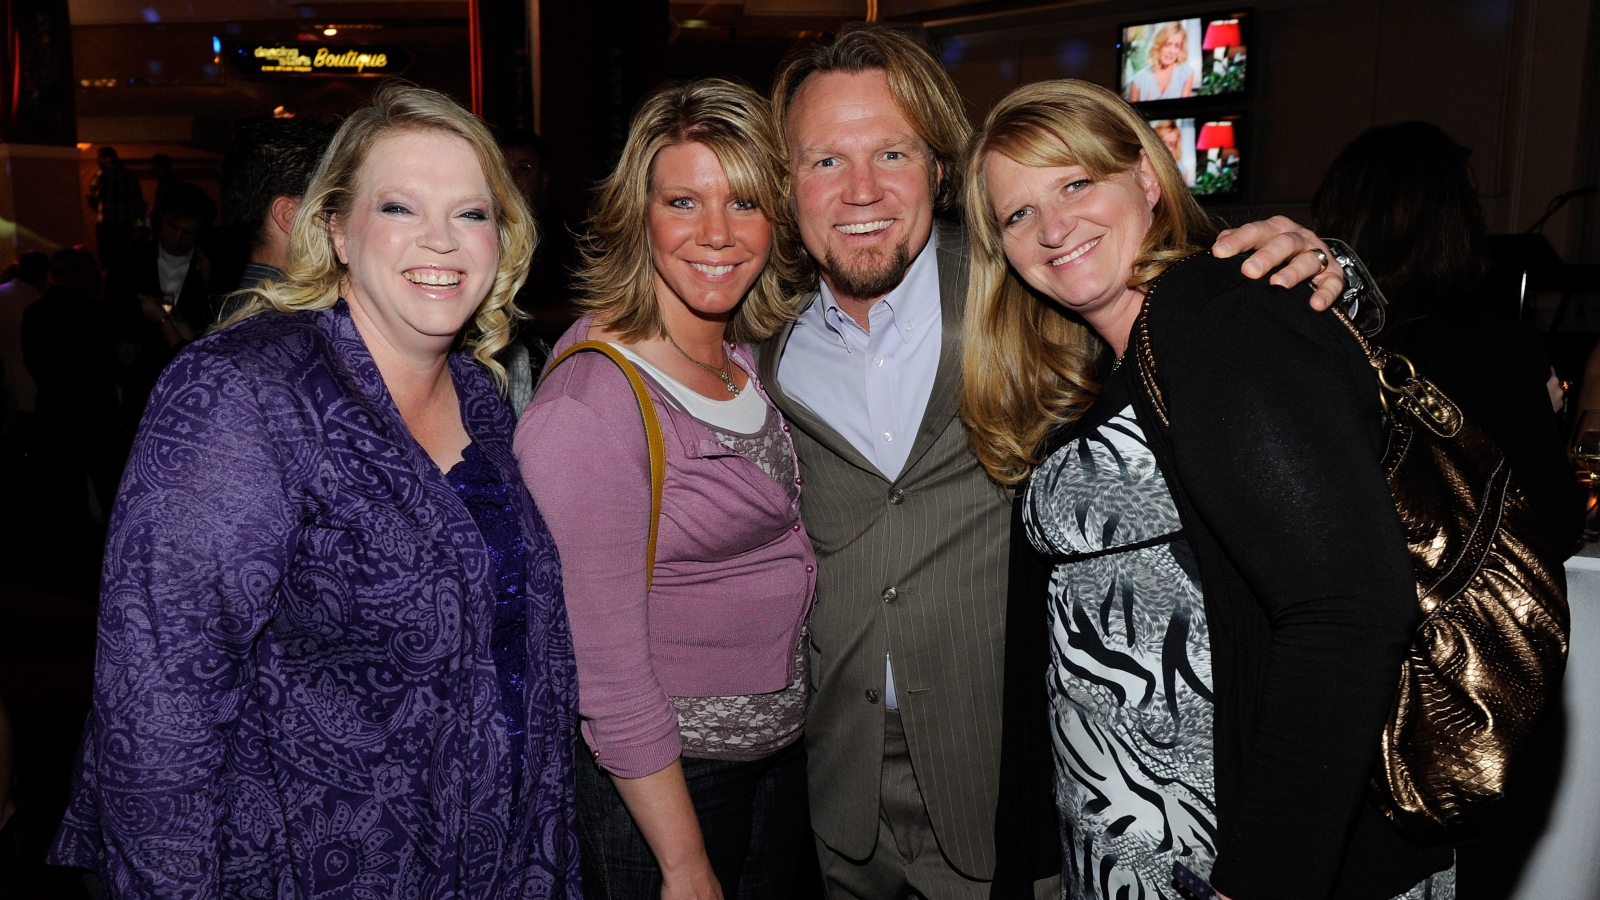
(734, 573)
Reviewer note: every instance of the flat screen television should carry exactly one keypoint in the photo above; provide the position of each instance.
(1182, 59)
(1208, 152)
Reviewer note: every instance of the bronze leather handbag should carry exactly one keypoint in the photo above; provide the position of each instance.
(1492, 644)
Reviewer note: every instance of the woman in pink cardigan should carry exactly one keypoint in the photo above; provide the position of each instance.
(693, 685)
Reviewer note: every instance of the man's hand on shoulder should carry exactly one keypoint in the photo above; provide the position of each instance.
(1292, 250)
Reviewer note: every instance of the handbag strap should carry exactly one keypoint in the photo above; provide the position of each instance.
(652, 435)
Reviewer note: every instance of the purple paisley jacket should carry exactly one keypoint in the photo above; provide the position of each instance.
(294, 690)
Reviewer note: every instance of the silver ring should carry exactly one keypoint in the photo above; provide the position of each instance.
(1321, 258)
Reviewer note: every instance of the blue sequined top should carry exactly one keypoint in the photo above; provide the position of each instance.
(488, 499)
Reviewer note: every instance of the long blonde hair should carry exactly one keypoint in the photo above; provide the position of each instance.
(315, 276)
(616, 277)
(1028, 365)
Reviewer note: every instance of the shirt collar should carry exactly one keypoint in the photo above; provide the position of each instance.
(909, 304)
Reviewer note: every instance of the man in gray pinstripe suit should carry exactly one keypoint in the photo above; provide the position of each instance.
(912, 538)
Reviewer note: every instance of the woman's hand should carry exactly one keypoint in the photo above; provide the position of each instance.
(660, 806)
(699, 884)
(1280, 241)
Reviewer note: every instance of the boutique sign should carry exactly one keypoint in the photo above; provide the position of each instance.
(273, 60)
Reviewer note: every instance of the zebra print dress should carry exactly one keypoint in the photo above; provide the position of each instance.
(1130, 675)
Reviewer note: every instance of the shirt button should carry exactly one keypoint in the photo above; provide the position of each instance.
(878, 362)
(795, 527)
(872, 696)
(799, 480)
(910, 328)
(810, 569)
(887, 436)
(889, 594)
(786, 427)
(897, 496)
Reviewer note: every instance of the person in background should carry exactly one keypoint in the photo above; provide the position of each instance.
(525, 155)
(20, 487)
(547, 296)
(16, 385)
(333, 658)
(525, 357)
(162, 294)
(1222, 594)
(161, 171)
(118, 204)
(79, 434)
(1403, 196)
(691, 781)
(264, 178)
(912, 539)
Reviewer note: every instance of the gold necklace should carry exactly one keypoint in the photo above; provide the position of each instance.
(725, 373)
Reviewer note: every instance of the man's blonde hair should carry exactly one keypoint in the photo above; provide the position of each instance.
(1026, 366)
(922, 90)
(315, 276)
(616, 278)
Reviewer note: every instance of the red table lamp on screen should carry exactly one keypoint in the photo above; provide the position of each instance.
(1215, 136)
(1221, 34)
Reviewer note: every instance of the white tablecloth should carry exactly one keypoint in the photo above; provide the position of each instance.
(1566, 861)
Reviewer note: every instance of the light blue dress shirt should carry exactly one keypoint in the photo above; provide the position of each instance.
(871, 385)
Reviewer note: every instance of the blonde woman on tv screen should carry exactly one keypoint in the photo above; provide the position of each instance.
(1168, 75)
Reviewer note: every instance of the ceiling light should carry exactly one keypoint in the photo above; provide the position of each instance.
(330, 32)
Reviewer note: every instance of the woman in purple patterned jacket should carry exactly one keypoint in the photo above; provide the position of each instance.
(333, 657)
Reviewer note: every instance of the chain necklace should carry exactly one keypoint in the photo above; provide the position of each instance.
(725, 373)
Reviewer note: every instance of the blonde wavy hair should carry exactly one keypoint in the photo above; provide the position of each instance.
(315, 277)
(1027, 365)
(1166, 31)
(616, 277)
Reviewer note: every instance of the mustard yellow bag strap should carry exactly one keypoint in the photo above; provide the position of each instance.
(652, 436)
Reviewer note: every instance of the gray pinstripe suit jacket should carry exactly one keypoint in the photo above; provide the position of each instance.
(939, 536)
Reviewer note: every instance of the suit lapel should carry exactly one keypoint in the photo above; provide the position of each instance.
(944, 401)
(770, 351)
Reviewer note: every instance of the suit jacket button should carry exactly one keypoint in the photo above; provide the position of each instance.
(889, 594)
(897, 496)
(872, 696)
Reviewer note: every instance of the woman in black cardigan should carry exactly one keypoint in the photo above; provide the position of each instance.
(1223, 588)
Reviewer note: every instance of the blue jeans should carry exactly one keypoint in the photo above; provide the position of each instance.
(753, 816)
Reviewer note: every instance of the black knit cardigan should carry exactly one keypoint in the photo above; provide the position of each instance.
(1273, 458)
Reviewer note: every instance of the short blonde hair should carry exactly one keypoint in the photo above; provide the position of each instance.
(616, 277)
(922, 90)
(1166, 31)
(315, 276)
(1026, 366)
